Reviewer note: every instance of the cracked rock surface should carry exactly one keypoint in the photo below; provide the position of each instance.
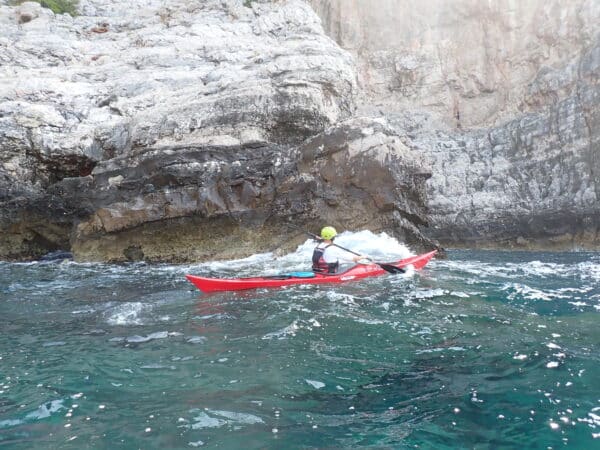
(502, 97)
(183, 131)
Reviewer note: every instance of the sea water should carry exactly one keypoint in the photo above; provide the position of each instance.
(485, 350)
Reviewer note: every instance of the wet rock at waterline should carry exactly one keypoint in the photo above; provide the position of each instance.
(187, 131)
(217, 202)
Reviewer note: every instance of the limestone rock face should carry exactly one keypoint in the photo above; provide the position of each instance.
(503, 97)
(467, 62)
(179, 131)
(533, 181)
(227, 201)
(361, 166)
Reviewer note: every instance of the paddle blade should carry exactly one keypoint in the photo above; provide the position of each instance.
(391, 268)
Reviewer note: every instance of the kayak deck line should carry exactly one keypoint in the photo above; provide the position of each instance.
(357, 272)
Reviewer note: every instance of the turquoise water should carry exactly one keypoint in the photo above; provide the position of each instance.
(483, 350)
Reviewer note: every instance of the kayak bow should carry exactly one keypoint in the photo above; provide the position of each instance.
(357, 272)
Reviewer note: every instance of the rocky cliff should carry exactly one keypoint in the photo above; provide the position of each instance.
(167, 131)
(179, 131)
(502, 97)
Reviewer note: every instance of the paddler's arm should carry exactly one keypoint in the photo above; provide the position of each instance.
(333, 253)
(361, 259)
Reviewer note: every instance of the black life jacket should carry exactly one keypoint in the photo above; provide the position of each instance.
(318, 263)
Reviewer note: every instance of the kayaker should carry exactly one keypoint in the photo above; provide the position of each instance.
(327, 257)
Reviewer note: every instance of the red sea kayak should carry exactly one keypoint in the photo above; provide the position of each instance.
(355, 273)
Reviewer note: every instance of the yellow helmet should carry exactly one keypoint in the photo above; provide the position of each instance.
(328, 233)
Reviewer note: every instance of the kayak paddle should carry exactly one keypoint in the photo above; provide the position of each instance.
(387, 267)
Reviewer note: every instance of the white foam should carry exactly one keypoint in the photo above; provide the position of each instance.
(538, 268)
(430, 293)
(127, 313)
(530, 293)
(207, 419)
(341, 297)
(243, 418)
(441, 349)
(53, 344)
(44, 411)
(578, 304)
(589, 271)
(581, 290)
(84, 311)
(290, 330)
(369, 321)
(158, 367)
(203, 420)
(10, 423)
(316, 384)
(380, 247)
(150, 337)
(459, 294)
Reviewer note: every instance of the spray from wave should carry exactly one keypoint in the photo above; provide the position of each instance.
(380, 247)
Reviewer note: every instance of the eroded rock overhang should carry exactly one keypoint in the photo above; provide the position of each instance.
(184, 132)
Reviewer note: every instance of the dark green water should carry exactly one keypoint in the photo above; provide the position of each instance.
(485, 350)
